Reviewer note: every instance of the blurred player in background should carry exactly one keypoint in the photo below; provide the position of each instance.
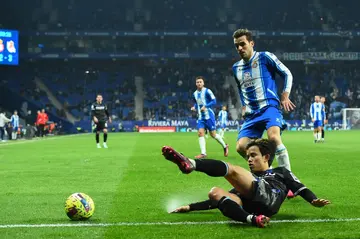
(223, 118)
(317, 113)
(43, 119)
(325, 121)
(204, 100)
(3, 121)
(100, 115)
(257, 195)
(14, 124)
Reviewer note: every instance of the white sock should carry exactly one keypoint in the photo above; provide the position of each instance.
(249, 219)
(220, 140)
(319, 135)
(193, 162)
(202, 144)
(222, 133)
(282, 157)
(13, 135)
(315, 136)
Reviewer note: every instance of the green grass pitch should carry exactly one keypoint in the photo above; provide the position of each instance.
(131, 182)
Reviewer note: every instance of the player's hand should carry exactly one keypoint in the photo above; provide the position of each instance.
(320, 202)
(313, 120)
(203, 108)
(286, 103)
(325, 121)
(96, 120)
(192, 108)
(110, 120)
(182, 209)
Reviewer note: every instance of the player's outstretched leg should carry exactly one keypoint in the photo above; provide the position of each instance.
(231, 206)
(220, 140)
(184, 164)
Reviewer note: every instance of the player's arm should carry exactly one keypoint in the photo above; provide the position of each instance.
(195, 106)
(312, 112)
(275, 64)
(323, 113)
(294, 184)
(6, 119)
(198, 206)
(107, 113)
(93, 114)
(211, 97)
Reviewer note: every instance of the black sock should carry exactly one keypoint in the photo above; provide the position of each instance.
(105, 137)
(212, 167)
(97, 138)
(232, 210)
(322, 133)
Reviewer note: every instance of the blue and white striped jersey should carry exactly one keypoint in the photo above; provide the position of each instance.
(256, 81)
(206, 98)
(317, 111)
(14, 121)
(223, 116)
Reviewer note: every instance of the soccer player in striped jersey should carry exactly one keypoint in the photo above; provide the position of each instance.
(14, 124)
(204, 100)
(255, 77)
(317, 113)
(223, 118)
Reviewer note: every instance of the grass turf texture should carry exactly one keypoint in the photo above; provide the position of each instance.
(132, 182)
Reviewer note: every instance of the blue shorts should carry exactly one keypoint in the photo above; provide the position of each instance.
(318, 123)
(223, 125)
(255, 125)
(208, 124)
(15, 128)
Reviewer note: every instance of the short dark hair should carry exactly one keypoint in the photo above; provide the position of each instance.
(265, 146)
(200, 77)
(243, 32)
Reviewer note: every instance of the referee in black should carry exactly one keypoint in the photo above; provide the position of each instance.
(100, 115)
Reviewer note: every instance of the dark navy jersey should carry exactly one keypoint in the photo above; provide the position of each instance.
(326, 109)
(281, 179)
(100, 111)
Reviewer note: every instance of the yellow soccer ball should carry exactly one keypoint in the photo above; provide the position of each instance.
(79, 206)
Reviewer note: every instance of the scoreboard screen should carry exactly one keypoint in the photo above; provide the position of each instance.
(9, 47)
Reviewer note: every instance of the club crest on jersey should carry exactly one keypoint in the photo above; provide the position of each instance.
(255, 64)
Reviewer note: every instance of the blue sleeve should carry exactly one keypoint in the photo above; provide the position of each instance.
(211, 103)
(210, 96)
(312, 111)
(195, 105)
(277, 66)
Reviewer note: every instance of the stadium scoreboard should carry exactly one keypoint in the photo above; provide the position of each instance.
(9, 47)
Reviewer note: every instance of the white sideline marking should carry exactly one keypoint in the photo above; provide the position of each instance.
(126, 224)
(27, 141)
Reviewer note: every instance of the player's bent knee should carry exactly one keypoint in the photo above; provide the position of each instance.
(216, 193)
(275, 137)
(240, 148)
